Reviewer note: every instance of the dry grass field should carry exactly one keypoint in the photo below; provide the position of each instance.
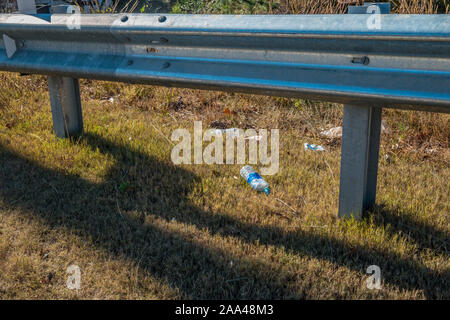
(140, 227)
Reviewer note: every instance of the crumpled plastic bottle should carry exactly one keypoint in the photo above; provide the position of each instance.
(313, 147)
(254, 179)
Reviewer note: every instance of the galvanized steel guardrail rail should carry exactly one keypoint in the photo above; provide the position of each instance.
(403, 63)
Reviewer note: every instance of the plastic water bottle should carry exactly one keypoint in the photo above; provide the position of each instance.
(254, 179)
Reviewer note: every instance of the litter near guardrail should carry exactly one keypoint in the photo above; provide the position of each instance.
(405, 63)
(257, 138)
(254, 179)
(235, 132)
(231, 132)
(336, 132)
(333, 133)
(313, 147)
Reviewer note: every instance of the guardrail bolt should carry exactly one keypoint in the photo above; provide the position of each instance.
(162, 18)
(363, 60)
(124, 19)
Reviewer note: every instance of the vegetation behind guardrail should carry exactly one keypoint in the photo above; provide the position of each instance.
(303, 6)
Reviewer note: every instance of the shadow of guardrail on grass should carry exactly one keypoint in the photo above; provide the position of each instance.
(406, 223)
(197, 272)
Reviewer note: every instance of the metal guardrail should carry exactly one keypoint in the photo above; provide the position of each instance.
(405, 63)
(331, 57)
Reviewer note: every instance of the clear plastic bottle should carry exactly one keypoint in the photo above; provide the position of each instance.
(254, 179)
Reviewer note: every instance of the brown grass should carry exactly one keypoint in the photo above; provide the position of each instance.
(139, 227)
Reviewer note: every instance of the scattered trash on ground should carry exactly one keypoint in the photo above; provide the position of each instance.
(257, 138)
(234, 133)
(111, 99)
(431, 150)
(254, 179)
(336, 132)
(333, 133)
(313, 147)
(231, 132)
